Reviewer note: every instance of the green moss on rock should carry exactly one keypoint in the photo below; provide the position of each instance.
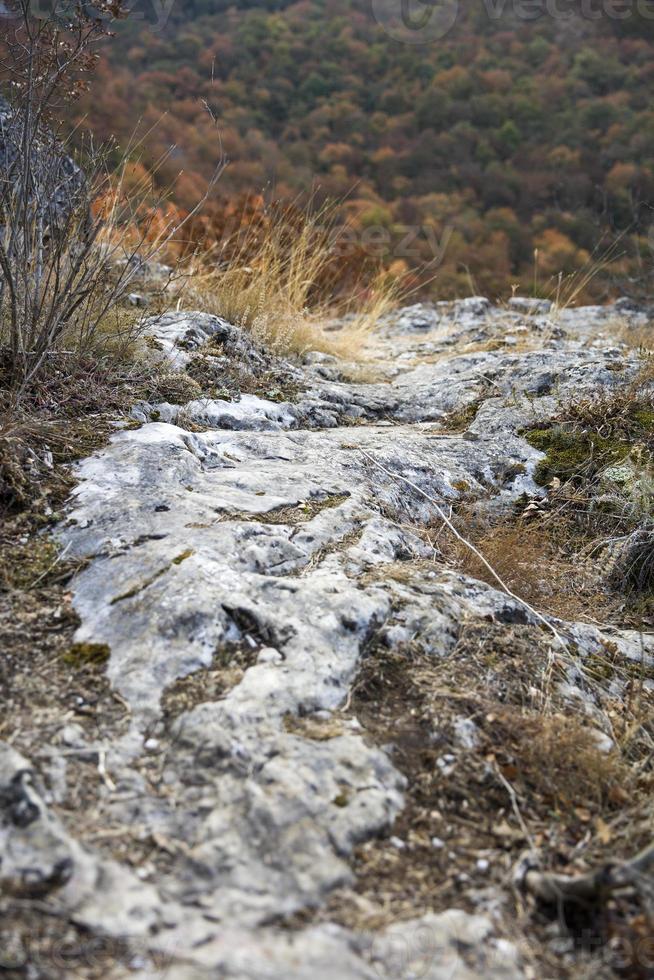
(570, 453)
(183, 556)
(645, 418)
(462, 418)
(87, 654)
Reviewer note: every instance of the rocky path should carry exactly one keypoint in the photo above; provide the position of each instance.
(235, 575)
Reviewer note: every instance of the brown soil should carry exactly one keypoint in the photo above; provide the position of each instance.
(530, 777)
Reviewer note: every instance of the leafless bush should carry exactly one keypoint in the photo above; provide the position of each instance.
(65, 261)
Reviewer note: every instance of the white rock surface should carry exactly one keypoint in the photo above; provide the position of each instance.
(196, 540)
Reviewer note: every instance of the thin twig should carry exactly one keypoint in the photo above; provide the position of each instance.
(102, 770)
(47, 571)
(513, 796)
(593, 886)
(468, 544)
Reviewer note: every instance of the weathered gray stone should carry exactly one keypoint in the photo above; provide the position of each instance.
(269, 530)
(526, 304)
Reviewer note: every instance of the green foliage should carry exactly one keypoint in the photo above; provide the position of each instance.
(571, 454)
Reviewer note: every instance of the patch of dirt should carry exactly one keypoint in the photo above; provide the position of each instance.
(496, 763)
(36, 944)
(292, 515)
(47, 687)
(227, 669)
(57, 705)
(43, 685)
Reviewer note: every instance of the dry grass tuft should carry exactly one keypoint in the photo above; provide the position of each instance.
(633, 566)
(532, 560)
(638, 338)
(556, 758)
(625, 413)
(280, 288)
(496, 761)
(28, 479)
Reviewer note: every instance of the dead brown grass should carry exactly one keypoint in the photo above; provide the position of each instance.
(638, 338)
(533, 561)
(529, 773)
(268, 287)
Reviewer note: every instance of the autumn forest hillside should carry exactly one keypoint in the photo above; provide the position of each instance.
(515, 149)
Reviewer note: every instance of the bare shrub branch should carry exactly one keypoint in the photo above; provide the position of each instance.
(64, 261)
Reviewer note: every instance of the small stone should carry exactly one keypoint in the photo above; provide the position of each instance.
(136, 299)
(72, 735)
(322, 715)
(151, 744)
(438, 843)
(525, 304)
(466, 732)
(604, 743)
(397, 842)
(268, 655)
(483, 864)
(318, 357)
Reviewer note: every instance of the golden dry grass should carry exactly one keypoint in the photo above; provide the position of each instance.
(639, 338)
(268, 288)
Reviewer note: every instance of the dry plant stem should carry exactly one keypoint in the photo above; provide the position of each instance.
(47, 571)
(515, 806)
(468, 544)
(555, 888)
(60, 274)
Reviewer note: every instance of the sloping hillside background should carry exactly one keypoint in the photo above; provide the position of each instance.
(504, 137)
